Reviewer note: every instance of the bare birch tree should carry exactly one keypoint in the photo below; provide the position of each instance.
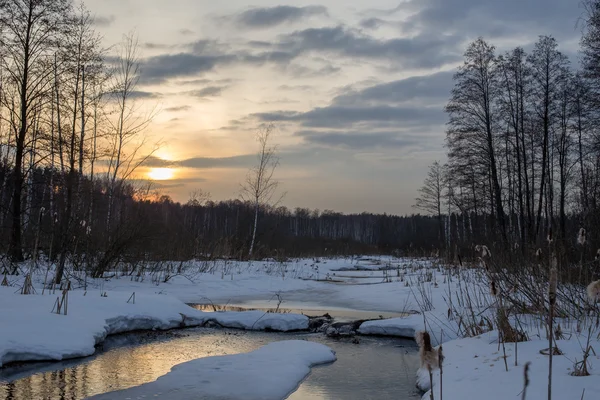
(260, 185)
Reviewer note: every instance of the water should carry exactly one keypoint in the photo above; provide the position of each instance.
(373, 369)
(340, 314)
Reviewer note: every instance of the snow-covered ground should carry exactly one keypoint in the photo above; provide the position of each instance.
(432, 297)
(475, 368)
(269, 373)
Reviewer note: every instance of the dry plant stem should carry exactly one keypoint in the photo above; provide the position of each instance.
(430, 382)
(552, 301)
(441, 364)
(526, 381)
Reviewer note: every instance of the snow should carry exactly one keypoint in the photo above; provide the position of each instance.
(30, 332)
(259, 320)
(474, 368)
(271, 372)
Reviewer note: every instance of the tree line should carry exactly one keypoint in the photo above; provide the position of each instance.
(523, 145)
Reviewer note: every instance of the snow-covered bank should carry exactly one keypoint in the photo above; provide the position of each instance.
(271, 372)
(31, 332)
(406, 327)
(474, 368)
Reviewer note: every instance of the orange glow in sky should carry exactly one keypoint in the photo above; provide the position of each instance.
(161, 174)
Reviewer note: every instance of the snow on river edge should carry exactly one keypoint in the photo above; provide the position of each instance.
(28, 331)
(269, 373)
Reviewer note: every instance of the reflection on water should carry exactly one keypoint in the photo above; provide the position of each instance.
(340, 314)
(374, 369)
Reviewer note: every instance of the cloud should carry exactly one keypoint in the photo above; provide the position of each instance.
(405, 114)
(157, 46)
(419, 51)
(371, 23)
(178, 108)
(242, 161)
(186, 32)
(492, 18)
(361, 140)
(427, 90)
(338, 116)
(162, 67)
(273, 16)
(104, 21)
(135, 94)
(209, 91)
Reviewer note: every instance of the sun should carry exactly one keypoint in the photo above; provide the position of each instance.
(161, 174)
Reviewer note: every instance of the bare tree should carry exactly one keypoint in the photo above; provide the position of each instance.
(431, 194)
(126, 143)
(260, 185)
(30, 31)
(472, 129)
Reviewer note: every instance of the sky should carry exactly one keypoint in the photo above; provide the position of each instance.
(355, 88)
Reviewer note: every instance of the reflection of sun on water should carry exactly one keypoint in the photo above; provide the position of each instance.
(161, 174)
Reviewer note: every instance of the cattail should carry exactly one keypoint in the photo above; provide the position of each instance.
(593, 291)
(549, 237)
(538, 253)
(581, 237)
(493, 289)
(428, 356)
(485, 252)
(553, 285)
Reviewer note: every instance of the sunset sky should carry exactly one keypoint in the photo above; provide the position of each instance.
(356, 88)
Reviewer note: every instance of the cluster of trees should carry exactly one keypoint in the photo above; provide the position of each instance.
(70, 129)
(523, 143)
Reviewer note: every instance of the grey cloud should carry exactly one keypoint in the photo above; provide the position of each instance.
(104, 21)
(360, 140)
(175, 183)
(495, 18)
(211, 82)
(427, 89)
(210, 91)
(273, 16)
(178, 108)
(296, 87)
(157, 46)
(136, 94)
(300, 71)
(242, 161)
(260, 44)
(338, 116)
(144, 95)
(420, 51)
(159, 68)
(186, 32)
(371, 23)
